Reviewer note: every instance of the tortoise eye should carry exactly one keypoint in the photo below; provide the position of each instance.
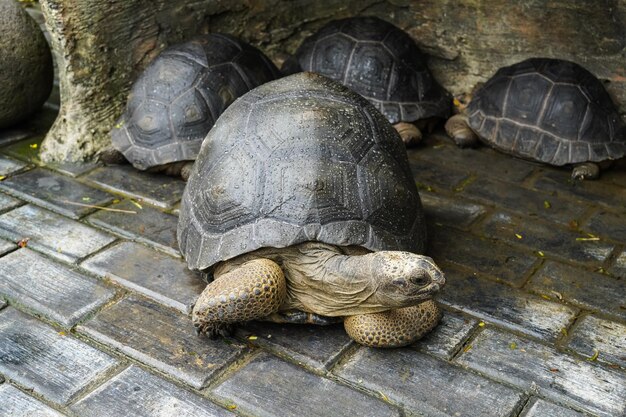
(419, 280)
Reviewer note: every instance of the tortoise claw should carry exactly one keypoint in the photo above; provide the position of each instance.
(225, 330)
(213, 331)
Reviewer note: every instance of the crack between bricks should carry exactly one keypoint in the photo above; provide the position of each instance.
(126, 361)
(97, 382)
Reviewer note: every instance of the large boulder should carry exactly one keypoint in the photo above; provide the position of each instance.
(26, 69)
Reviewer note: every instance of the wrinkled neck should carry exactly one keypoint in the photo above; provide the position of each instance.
(323, 280)
(349, 268)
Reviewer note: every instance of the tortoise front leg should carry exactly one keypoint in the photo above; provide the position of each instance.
(457, 127)
(393, 328)
(409, 133)
(175, 169)
(251, 291)
(185, 171)
(586, 171)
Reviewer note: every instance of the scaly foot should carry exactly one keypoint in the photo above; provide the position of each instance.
(586, 171)
(409, 133)
(393, 328)
(457, 127)
(252, 291)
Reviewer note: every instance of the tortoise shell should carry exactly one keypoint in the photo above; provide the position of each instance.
(549, 110)
(378, 61)
(299, 159)
(180, 95)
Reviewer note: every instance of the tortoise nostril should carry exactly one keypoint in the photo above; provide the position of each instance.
(400, 282)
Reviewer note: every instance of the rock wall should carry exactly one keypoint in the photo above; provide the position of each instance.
(103, 45)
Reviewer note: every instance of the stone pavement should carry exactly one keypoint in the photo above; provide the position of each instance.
(94, 304)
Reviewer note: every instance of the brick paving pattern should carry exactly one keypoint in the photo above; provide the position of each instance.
(94, 305)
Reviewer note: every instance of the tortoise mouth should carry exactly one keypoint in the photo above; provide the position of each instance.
(427, 291)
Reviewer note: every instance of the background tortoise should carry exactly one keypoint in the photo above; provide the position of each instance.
(178, 98)
(380, 62)
(548, 110)
(294, 186)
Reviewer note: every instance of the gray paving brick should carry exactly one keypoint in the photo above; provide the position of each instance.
(588, 290)
(428, 386)
(548, 238)
(6, 247)
(482, 255)
(481, 161)
(607, 224)
(52, 234)
(595, 192)
(616, 174)
(39, 358)
(440, 209)
(619, 266)
(161, 338)
(554, 375)
(17, 404)
(73, 169)
(430, 177)
(49, 288)
(448, 336)
(152, 273)
(537, 407)
(10, 166)
(524, 201)
(7, 202)
(137, 393)
(593, 335)
(282, 389)
(317, 347)
(55, 192)
(508, 307)
(156, 189)
(148, 225)
(25, 150)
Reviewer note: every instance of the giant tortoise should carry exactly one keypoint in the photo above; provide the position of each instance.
(302, 205)
(178, 98)
(383, 64)
(547, 110)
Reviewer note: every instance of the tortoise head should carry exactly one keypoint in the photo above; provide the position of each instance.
(406, 279)
(461, 101)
